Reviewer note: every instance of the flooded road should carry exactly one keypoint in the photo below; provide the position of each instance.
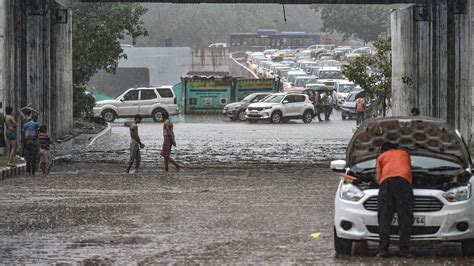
(217, 140)
(250, 193)
(93, 213)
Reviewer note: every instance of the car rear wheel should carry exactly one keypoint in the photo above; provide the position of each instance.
(157, 114)
(467, 247)
(341, 245)
(308, 116)
(276, 117)
(241, 115)
(109, 115)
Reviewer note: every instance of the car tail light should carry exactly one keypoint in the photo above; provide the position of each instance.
(175, 100)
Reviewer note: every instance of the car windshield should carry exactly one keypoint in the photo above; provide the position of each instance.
(346, 88)
(303, 81)
(273, 99)
(330, 74)
(249, 98)
(422, 163)
(291, 77)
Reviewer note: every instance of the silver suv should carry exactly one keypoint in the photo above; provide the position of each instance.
(281, 107)
(149, 102)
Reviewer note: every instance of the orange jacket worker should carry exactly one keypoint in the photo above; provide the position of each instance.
(395, 195)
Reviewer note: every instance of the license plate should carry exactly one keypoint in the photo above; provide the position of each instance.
(417, 220)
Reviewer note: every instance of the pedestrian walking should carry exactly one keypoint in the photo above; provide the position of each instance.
(10, 134)
(46, 161)
(318, 105)
(168, 142)
(327, 105)
(395, 196)
(360, 108)
(135, 144)
(30, 143)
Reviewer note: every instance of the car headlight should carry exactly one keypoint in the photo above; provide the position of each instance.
(456, 194)
(350, 192)
(267, 108)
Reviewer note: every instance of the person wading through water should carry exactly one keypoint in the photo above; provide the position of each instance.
(135, 144)
(395, 196)
(30, 143)
(168, 142)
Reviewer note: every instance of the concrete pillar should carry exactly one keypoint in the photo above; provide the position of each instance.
(431, 62)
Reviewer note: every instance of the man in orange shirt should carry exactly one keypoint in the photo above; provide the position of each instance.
(395, 195)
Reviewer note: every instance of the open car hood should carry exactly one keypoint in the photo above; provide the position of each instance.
(420, 136)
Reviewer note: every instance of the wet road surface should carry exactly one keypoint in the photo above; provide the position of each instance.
(251, 193)
(217, 140)
(93, 213)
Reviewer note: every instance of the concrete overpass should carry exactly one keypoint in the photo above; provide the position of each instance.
(431, 49)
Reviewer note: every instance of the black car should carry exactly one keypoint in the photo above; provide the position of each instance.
(236, 111)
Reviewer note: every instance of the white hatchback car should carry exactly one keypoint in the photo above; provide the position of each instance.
(442, 183)
(149, 102)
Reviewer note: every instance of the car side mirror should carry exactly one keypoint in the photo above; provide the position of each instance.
(285, 101)
(122, 99)
(338, 166)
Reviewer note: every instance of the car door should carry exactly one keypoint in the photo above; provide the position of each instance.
(148, 98)
(299, 105)
(289, 106)
(129, 105)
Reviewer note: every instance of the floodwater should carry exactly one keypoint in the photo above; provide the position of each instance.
(249, 194)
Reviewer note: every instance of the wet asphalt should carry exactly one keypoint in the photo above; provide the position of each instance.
(248, 194)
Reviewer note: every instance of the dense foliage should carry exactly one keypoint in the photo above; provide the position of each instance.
(97, 31)
(365, 22)
(374, 74)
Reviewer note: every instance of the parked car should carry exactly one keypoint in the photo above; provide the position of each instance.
(301, 81)
(281, 107)
(442, 183)
(236, 111)
(358, 52)
(218, 45)
(342, 90)
(149, 102)
(348, 109)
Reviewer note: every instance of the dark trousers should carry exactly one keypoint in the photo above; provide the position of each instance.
(395, 195)
(318, 109)
(360, 117)
(327, 112)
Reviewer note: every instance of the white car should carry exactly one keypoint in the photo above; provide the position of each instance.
(342, 88)
(330, 75)
(442, 183)
(148, 102)
(281, 107)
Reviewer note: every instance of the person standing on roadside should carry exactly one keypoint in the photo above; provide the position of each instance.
(30, 143)
(135, 144)
(394, 176)
(168, 142)
(360, 108)
(44, 141)
(10, 133)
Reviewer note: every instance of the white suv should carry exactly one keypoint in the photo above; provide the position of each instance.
(148, 102)
(280, 107)
(442, 182)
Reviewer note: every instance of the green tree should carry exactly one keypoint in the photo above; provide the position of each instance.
(97, 31)
(374, 75)
(365, 22)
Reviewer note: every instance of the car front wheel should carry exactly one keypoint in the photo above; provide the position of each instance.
(343, 117)
(467, 247)
(109, 115)
(241, 115)
(307, 116)
(276, 117)
(341, 245)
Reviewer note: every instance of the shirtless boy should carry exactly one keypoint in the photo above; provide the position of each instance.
(10, 134)
(135, 144)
